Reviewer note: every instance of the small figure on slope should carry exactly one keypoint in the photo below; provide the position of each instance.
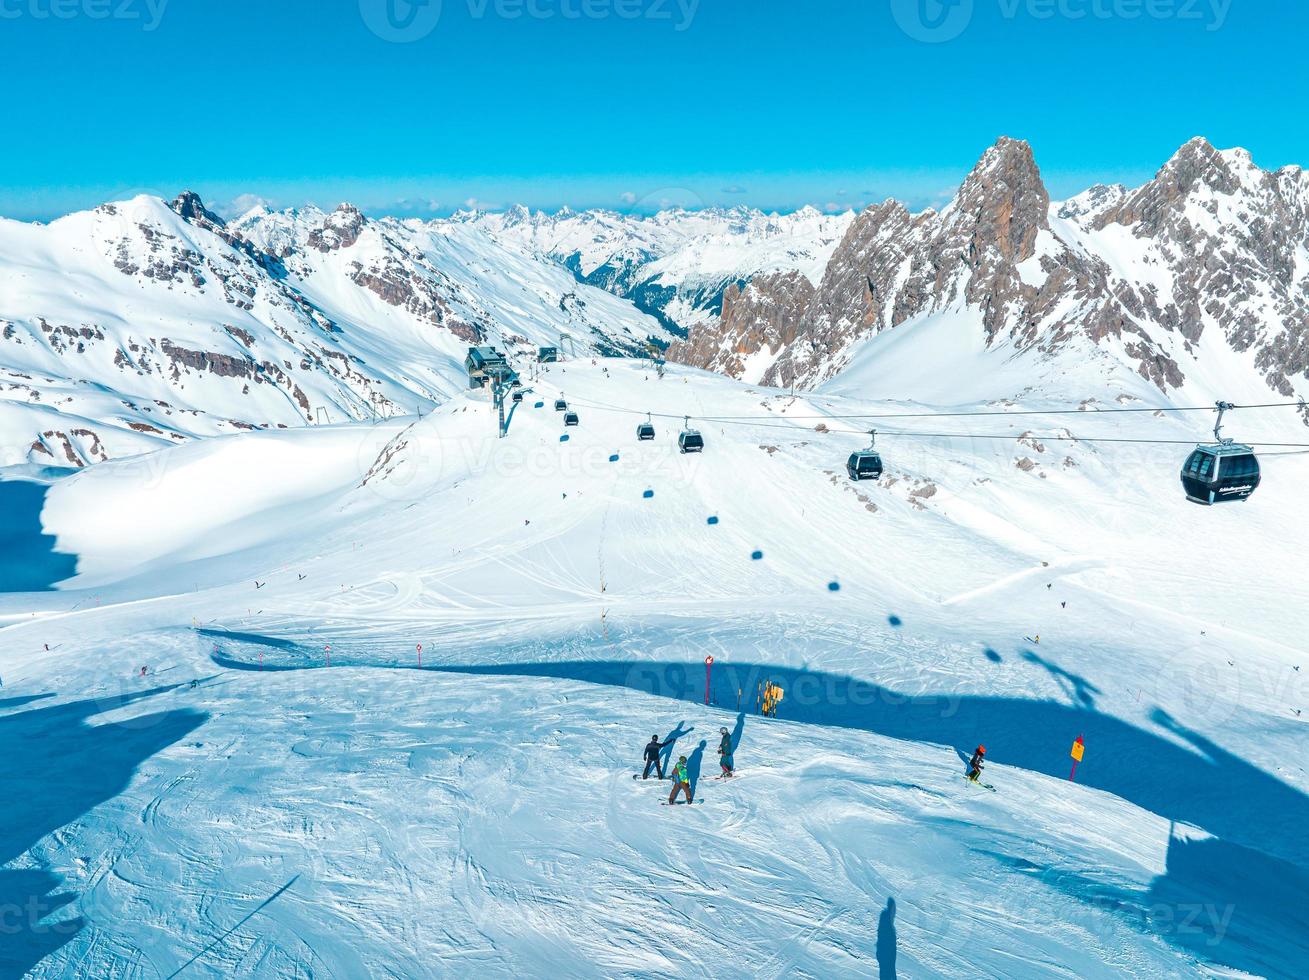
(652, 756)
(681, 782)
(976, 763)
(725, 753)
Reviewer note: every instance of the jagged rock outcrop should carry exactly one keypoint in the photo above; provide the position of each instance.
(1211, 243)
(761, 320)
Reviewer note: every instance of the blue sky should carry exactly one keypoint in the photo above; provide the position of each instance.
(624, 103)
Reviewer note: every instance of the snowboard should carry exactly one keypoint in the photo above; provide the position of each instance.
(679, 803)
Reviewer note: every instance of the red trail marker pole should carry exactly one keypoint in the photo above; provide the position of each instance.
(328, 651)
(420, 656)
(1078, 748)
(708, 665)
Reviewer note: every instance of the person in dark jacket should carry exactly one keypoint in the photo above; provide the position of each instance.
(725, 753)
(976, 762)
(652, 756)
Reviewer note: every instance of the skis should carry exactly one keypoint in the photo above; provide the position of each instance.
(978, 782)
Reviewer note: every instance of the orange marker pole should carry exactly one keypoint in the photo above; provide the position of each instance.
(708, 665)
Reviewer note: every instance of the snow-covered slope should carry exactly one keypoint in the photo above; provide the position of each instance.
(676, 264)
(317, 805)
(142, 323)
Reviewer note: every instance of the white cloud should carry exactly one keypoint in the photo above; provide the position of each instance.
(627, 197)
(241, 204)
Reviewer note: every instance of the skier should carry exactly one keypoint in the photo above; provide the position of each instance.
(976, 763)
(725, 753)
(681, 782)
(652, 756)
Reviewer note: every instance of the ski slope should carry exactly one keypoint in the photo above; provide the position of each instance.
(318, 805)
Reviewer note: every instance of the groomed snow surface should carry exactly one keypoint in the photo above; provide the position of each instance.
(285, 793)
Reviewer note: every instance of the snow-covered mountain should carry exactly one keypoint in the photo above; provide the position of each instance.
(144, 322)
(677, 264)
(1197, 280)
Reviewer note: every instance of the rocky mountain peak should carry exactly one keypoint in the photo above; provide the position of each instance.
(189, 205)
(1215, 245)
(340, 229)
(1003, 201)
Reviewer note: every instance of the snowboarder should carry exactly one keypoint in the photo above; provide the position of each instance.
(725, 753)
(976, 763)
(652, 756)
(681, 782)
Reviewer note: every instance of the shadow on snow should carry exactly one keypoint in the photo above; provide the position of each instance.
(57, 768)
(31, 563)
(1174, 772)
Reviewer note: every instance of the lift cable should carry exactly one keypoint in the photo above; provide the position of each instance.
(748, 421)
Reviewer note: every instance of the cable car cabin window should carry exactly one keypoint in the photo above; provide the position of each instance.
(1206, 466)
(1240, 467)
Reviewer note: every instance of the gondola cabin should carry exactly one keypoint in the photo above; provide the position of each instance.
(570, 418)
(645, 432)
(518, 397)
(864, 465)
(561, 405)
(1217, 474)
(690, 441)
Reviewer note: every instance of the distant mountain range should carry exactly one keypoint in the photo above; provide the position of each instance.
(147, 322)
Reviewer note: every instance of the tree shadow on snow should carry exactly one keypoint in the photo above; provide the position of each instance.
(1167, 770)
(57, 767)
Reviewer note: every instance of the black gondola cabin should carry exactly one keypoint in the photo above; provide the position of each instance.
(1217, 474)
(691, 441)
(864, 465)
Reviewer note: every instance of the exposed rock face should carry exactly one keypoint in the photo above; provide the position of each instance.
(340, 230)
(761, 318)
(1215, 244)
